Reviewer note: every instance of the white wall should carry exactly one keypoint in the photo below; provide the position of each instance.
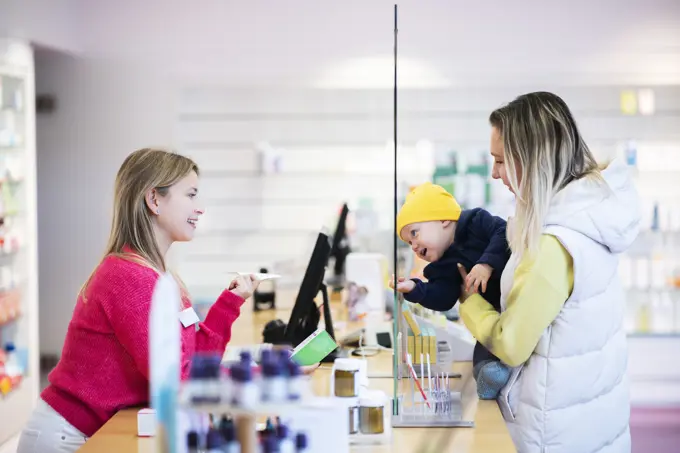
(302, 42)
(106, 110)
(330, 141)
(103, 113)
(53, 23)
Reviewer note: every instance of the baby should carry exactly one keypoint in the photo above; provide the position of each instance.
(432, 223)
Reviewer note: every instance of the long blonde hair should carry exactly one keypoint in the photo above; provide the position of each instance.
(132, 227)
(544, 152)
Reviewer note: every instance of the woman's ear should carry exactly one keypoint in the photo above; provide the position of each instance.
(151, 199)
(446, 223)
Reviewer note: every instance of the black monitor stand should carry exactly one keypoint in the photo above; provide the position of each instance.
(328, 321)
(274, 332)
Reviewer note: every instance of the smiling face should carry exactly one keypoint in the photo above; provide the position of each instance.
(499, 169)
(179, 210)
(429, 240)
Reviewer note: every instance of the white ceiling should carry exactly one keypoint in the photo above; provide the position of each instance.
(349, 42)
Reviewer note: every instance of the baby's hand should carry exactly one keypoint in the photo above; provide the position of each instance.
(404, 286)
(479, 274)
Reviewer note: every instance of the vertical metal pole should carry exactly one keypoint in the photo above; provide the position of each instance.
(396, 312)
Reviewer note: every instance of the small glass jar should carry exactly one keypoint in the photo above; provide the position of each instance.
(354, 419)
(346, 378)
(372, 415)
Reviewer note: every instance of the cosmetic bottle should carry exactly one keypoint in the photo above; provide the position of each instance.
(214, 441)
(231, 445)
(301, 443)
(192, 442)
(271, 445)
(286, 443)
(204, 376)
(346, 377)
(224, 424)
(295, 381)
(274, 389)
(246, 392)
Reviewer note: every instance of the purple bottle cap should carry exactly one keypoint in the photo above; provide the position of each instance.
(265, 355)
(294, 369)
(284, 354)
(212, 365)
(240, 372)
(282, 431)
(197, 368)
(192, 439)
(214, 441)
(271, 444)
(271, 369)
(246, 356)
(301, 441)
(205, 366)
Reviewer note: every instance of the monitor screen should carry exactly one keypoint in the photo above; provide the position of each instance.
(340, 245)
(340, 231)
(304, 318)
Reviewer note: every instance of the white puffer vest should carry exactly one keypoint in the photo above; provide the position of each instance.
(571, 395)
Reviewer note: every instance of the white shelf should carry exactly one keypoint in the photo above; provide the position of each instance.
(19, 269)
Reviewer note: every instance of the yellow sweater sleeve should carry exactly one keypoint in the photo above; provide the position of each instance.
(541, 286)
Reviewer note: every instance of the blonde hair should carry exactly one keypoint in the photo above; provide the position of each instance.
(544, 152)
(132, 226)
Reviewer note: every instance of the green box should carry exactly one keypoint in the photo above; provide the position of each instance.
(314, 349)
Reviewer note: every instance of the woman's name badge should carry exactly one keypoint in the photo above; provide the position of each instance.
(188, 317)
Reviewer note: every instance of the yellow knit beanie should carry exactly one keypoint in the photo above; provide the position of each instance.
(425, 203)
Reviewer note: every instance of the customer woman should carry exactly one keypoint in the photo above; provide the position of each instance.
(104, 365)
(561, 327)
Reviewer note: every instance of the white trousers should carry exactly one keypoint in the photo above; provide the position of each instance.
(48, 432)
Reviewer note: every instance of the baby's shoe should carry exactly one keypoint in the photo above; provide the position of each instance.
(476, 368)
(491, 377)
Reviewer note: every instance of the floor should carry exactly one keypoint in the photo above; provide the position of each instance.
(655, 430)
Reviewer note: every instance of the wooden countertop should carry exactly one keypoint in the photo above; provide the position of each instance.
(489, 434)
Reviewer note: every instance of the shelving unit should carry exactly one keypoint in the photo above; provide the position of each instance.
(18, 238)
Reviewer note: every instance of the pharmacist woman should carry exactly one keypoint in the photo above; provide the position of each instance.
(561, 327)
(104, 365)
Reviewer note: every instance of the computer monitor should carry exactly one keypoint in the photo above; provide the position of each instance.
(340, 247)
(305, 317)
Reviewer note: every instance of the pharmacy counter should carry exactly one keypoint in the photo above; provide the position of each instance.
(489, 434)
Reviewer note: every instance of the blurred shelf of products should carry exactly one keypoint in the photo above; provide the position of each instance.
(650, 269)
(18, 237)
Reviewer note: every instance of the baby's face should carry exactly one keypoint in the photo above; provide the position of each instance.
(429, 240)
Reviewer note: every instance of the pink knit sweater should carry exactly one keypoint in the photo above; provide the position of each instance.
(104, 366)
